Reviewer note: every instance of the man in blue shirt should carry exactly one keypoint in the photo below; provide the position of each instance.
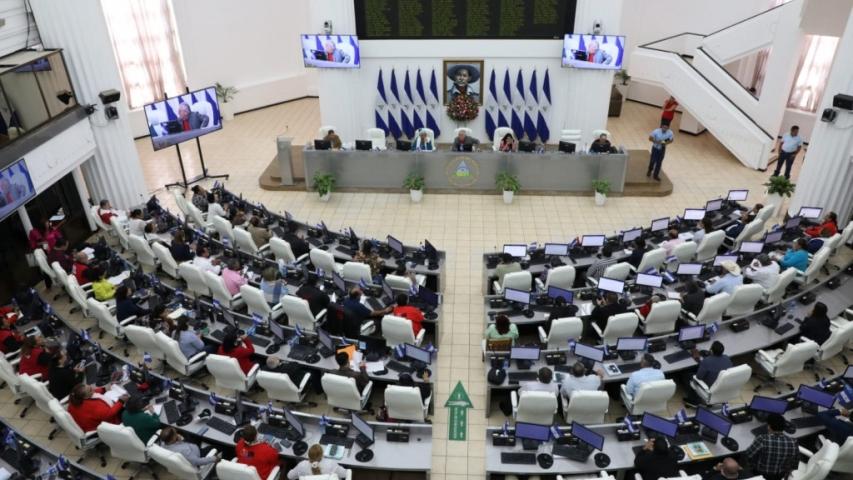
(646, 373)
(789, 146)
(660, 138)
(709, 369)
(356, 313)
(797, 257)
(727, 282)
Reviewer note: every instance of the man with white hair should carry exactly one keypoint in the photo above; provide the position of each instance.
(191, 120)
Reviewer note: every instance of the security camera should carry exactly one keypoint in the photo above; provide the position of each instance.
(596, 27)
(327, 27)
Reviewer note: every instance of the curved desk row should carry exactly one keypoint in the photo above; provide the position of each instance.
(757, 337)
(38, 461)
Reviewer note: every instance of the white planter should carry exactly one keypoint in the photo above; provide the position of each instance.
(227, 111)
(600, 199)
(508, 195)
(326, 197)
(417, 195)
(775, 200)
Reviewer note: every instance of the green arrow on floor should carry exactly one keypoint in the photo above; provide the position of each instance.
(459, 403)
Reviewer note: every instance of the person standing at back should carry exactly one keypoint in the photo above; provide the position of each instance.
(773, 454)
(668, 112)
(789, 146)
(660, 138)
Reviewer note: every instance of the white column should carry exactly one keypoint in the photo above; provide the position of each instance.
(79, 27)
(826, 179)
(25, 219)
(83, 191)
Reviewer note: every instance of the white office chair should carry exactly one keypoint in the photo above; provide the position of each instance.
(831, 244)
(324, 130)
(751, 229)
(560, 277)
(145, 340)
(468, 131)
(618, 271)
(572, 136)
(355, 271)
(562, 329)
(776, 293)
(516, 280)
(180, 201)
(9, 376)
(107, 230)
(651, 397)
(709, 245)
(299, 313)
(205, 108)
(819, 464)
(404, 403)
(145, 256)
(500, 132)
(280, 387)
(198, 218)
(256, 303)
(839, 337)
(176, 358)
(585, 407)
(245, 243)
(107, 321)
(283, 253)
(220, 293)
(195, 279)
(177, 464)
(125, 445)
(661, 318)
(780, 363)
(233, 470)
(224, 228)
(652, 260)
(844, 462)
(342, 392)
(377, 138)
(36, 389)
(228, 374)
(683, 253)
(398, 330)
(325, 261)
(80, 296)
(765, 213)
(62, 278)
(621, 325)
(726, 387)
(84, 441)
(534, 406)
(44, 266)
(810, 274)
(712, 310)
(597, 133)
(167, 261)
(846, 235)
(398, 283)
(744, 298)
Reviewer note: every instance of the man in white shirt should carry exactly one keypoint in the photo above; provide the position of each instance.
(789, 146)
(672, 241)
(578, 380)
(544, 382)
(204, 263)
(763, 271)
(646, 373)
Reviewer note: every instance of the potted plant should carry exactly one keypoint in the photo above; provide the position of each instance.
(225, 95)
(415, 183)
(508, 184)
(623, 76)
(323, 183)
(778, 187)
(602, 188)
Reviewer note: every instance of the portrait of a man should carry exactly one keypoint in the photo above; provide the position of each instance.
(462, 77)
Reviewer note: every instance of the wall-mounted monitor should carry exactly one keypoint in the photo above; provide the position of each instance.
(330, 51)
(16, 187)
(178, 119)
(597, 52)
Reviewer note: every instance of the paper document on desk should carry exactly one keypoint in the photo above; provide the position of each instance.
(584, 308)
(114, 393)
(696, 451)
(611, 369)
(119, 278)
(177, 313)
(90, 252)
(157, 407)
(373, 367)
(686, 236)
(355, 359)
(672, 295)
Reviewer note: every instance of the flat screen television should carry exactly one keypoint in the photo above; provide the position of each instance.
(16, 187)
(184, 117)
(330, 51)
(596, 52)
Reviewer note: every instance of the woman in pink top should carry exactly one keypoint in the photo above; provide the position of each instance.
(232, 276)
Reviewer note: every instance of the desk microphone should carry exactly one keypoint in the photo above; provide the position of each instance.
(365, 455)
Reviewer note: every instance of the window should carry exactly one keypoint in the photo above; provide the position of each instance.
(146, 48)
(812, 72)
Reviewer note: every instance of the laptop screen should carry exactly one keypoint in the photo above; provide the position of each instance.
(554, 292)
(737, 195)
(587, 436)
(719, 259)
(660, 224)
(517, 251)
(588, 352)
(713, 421)
(560, 249)
(659, 425)
(519, 296)
(691, 333)
(689, 269)
(769, 405)
(694, 213)
(524, 353)
(631, 235)
(648, 280)
(532, 431)
(714, 205)
(592, 240)
(815, 396)
(810, 212)
(629, 344)
(611, 285)
(751, 247)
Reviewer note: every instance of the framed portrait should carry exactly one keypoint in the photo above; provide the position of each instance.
(463, 76)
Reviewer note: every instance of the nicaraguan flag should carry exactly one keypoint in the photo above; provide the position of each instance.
(725, 409)
(146, 357)
(217, 117)
(681, 416)
(362, 284)
(555, 432)
(400, 350)
(10, 438)
(516, 125)
(572, 344)
(406, 124)
(505, 429)
(298, 331)
(490, 125)
(507, 90)
(357, 55)
(257, 319)
(433, 104)
(211, 399)
(417, 122)
(629, 425)
(419, 87)
(85, 335)
(529, 126)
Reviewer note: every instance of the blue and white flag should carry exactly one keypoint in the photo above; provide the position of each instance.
(299, 332)
(10, 438)
(212, 399)
(491, 105)
(251, 331)
(605, 349)
(324, 422)
(48, 310)
(269, 408)
(84, 334)
(394, 107)
(846, 396)
(257, 319)
(555, 432)
(822, 383)
(216, 305)
(146, 357)
(110, 477)
(681, 416)
(530, 107)
(433, 105)
(413, 290)
(629, 425)
(712, 329)
(167, 384)
(725, 409)
(572, 344)
(320, 272)
(431, 349)
(407, 107)
(505, 428)
(362, 284)
(400, 350)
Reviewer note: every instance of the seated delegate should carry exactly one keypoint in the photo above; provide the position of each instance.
(463, 142)
(578, 380)
(508, 144)
(171, 440)
(423, 143)
(647, 373)
(827, 228)
(727, 283)
(333, 139)
(796, 257)
(88, 409)
(316, 465)
(502, 329)
(600, 145)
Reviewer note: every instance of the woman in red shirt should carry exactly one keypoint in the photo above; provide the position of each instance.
(10, 340)
(89, 411)
(238, 347)
(260, 455)
(668, 113)
(403, 309)
(828, 228)
(44, 234)
(34, 359)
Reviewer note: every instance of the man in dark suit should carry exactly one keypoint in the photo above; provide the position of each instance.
(191, 120)
(462, 140)
(298, 245)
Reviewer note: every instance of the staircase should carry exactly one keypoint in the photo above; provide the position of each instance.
(689, 67)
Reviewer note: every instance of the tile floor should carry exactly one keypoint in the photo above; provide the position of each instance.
(465, 226)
